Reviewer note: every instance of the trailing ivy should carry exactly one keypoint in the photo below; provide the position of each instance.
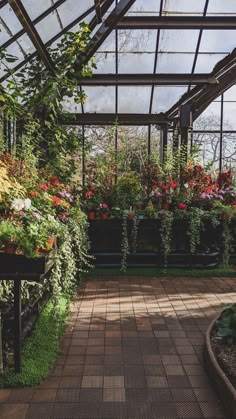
(166, 218)
(227, 240)
(134, 234)
(124, 243)
(196, 217)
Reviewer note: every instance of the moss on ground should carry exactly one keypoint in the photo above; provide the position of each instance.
(41, 348)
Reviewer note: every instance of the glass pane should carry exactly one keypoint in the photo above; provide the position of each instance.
(144, 6)
(70, 10)
(221, 7)
(105, 63)
(229, 121)
(209, 146)
(109, 44)
(137, 40)
(100, 99)
(132, 148)
(209, 119)
(230, 94)
(136, 63)
(176, 7)
(48, 27)
(178, 40)
(35, 8)
(26, 44)
(166, 96)
(217, 41)
(206, 62)
(134, 99)
(174, 63)
(229, 152)
(9, 24)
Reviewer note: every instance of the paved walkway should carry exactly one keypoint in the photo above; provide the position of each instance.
(133, 349)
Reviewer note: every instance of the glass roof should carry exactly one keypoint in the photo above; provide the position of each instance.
(126, 51)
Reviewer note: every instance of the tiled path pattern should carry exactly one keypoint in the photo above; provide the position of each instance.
(133, 349)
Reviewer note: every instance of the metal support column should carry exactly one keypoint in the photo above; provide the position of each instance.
(163, 142)
(221, 132)
(83, 158)
(17, 324)
(185, 127)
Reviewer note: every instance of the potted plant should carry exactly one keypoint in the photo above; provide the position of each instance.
(104, 211)
(9, 235)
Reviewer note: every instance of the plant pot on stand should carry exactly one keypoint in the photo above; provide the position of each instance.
(91, 215)
(10, 247)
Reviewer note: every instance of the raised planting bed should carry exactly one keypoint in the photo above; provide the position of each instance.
(18, 317)
(20, 264)
(221, 368)
(106, 244)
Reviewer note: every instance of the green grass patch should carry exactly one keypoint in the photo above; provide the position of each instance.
(171, 272)
(41, 348)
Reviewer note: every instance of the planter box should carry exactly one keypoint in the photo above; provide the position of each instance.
(19, 264)
(106, 240)
(222, 384)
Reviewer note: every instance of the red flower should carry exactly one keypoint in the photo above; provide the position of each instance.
(62, 217)
(182, 206)
(173, 184)
(89, 193)
(55, 181)
(56, 201)
(33, 193)
(44, 187)
(164, 187)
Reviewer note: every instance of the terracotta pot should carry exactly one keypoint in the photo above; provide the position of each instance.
(104, 216)
(51, 242)
(166, 206)
(10, 247)
(131, 216)
(91, 215)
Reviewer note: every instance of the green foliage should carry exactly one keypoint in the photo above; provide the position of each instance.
(128, 191)
(166, 218)
(124, 243)
(226, 325)
(41, 348)
(196, 218)
(9, 232)
(36, 96)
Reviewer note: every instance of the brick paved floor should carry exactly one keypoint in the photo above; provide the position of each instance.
(133, 349)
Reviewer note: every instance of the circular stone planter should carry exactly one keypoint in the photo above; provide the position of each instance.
(222, 384)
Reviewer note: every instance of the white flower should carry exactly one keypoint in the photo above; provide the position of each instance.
(27, 203)
(186, 185)
(21, 204)
(18, 204)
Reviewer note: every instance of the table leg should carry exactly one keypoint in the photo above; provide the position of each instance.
(17, 324)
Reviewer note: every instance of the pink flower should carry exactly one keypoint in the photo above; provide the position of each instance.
(22, 213)
(182, 206)
(104, 206)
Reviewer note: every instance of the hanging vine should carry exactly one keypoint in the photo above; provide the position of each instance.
(166, 218)
(124, 242)
(196, 217)
(134, 234)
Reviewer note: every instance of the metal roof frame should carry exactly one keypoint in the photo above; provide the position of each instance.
(27, 24)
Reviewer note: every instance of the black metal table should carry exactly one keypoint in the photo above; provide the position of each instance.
(18, 268)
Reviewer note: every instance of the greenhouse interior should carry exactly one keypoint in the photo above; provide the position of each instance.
(117, 209)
